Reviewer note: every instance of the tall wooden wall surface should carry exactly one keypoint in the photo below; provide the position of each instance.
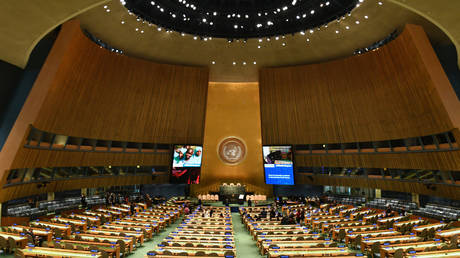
(398, 91)
(380, 95)
(86, 91)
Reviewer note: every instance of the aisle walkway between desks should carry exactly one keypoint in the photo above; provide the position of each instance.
(151, 245)
(245, 246)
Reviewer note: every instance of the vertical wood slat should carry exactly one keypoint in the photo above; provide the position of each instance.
(103, 95)
(380, 95)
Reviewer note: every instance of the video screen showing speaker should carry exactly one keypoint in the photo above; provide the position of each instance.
(278, 165)
(186, 164)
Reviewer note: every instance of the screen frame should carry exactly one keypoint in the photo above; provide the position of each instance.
(293, 161)
(171, 159)
(171, 155)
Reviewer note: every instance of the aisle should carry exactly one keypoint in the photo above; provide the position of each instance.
(245, 245)
(149, 246)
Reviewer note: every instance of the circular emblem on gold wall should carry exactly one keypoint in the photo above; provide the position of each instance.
(231, 150)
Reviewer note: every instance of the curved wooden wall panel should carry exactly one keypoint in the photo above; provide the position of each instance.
(442, 160)
(380, 95)
(447, 191)
(33, 158)
(86, 91)
(103, 95)
(23, 190)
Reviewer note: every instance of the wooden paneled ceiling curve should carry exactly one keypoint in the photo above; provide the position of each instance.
(18, 36)
(125, 32)
(442, 13)
(24, 23)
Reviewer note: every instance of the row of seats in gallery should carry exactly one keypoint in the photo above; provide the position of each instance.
(206, 232)
(382, 203)
(45, 207)
(346, 230)
(208, 197)
(353, 200)
(111, 231)
(439, 211)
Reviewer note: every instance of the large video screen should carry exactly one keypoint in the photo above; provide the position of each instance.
(278, 165)
(186, 164)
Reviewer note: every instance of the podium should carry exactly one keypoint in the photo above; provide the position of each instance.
(232, 193)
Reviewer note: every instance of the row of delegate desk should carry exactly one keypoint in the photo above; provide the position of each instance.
(200, 235)
(82, 234)
(386, 235)
(313, 239)
(277, 240)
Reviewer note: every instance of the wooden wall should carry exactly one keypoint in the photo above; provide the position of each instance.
(380, 95)
(232, 111)
(103, 95)
(443, 160)
(86, 91)
(29, 189)
(447, 191)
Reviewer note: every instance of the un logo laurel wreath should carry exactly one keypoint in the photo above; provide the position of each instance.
(232, 150)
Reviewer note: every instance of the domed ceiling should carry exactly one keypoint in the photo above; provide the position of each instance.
(240, 19)
(239, 59)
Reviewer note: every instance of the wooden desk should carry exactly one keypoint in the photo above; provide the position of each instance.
(175, 251)
(364, 228)
(419, 229)
(107, 216)
(350, 237)
(63, 227)
(389, 250)
(112, 249)
(115, 214)
(93, 219)
(54, 252)
(366, 243)
(364, 212)
(139, 236)
(445, 234)
(81, 224)
(21, 241)
(148, 230)
(36, 231)
(385, 220)
(155, 226)
(345, 211)
(265, 246)
(330, 251)
(398, 225)
(113, 239)
(437, 254)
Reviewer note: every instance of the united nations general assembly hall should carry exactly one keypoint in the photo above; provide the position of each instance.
(229, 128)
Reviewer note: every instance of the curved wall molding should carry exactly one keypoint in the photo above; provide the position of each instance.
(25, 23)
(436, 12)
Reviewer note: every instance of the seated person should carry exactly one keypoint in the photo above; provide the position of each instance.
(263, 213)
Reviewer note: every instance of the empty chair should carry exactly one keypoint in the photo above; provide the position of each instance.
(375, 249)
(399, 253)
(200, 253)
(68, 246)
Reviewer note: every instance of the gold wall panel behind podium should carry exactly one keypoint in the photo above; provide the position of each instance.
(233, 110)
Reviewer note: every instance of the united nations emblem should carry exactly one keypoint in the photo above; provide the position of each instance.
(232, 150)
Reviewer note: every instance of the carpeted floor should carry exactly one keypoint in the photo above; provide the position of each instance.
(245, 245)
(151, 245)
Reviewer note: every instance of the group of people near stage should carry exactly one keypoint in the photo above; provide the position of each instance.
(286, 216)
